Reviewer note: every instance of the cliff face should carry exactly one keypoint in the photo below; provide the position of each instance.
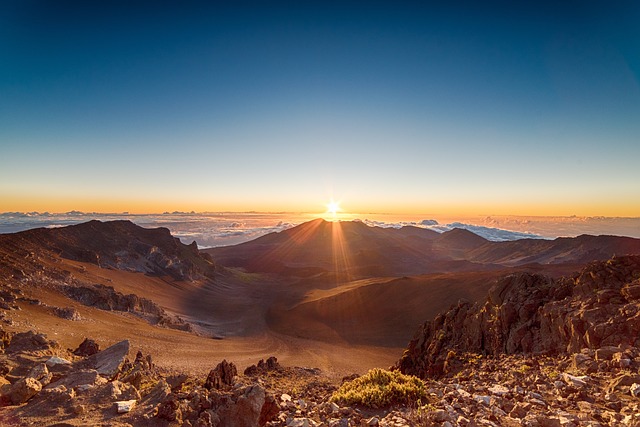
(527, 313)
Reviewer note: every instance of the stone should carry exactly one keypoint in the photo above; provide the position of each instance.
(170, 409)
(40, 373)
(23, 390)
(30, 341)
(286, 398)
(485, 400)
(124, 391)
(125, 406)
(635, 390)
(221, 376)
(440, 416)
(68, 313)
(577, 382)
(108, 362)
(88, 347)
(245, 409)
(55, 360)
(622, 381)
(582, 362)
(606, 353)
(176, 381)
(82, 377)
(298, 422)
(498, 390)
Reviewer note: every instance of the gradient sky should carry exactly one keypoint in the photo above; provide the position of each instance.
(465, 108)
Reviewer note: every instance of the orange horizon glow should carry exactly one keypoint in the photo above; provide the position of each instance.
(449, 208)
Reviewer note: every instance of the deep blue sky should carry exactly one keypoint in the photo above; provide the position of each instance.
(474, 107)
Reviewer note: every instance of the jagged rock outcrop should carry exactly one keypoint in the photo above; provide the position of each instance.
(222, 376)
(529, 313)
(107, 298)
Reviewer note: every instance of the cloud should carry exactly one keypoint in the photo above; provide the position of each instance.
(489, 233)
(223, 229)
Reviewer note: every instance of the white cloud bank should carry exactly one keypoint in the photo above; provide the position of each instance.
(223, 229)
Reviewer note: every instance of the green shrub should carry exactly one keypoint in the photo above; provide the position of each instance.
(380, 388)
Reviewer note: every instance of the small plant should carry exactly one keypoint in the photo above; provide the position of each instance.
(380, 388)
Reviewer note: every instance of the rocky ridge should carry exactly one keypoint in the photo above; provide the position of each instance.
(533, 314)
(119, 245)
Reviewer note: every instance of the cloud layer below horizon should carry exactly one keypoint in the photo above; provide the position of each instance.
(223, 229)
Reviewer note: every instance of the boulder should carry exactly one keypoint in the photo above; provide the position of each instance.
(108, 361)
(245, 410)
(24, 390)
(67, 313)
(40, 373)
(221, 376)
(30, 342)
(88, 347)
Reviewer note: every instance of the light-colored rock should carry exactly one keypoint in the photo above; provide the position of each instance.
(285, 397)
(40, 373)
(108, 362)
(125, 406)
(498, 390)
(578, 382)
(635, 390)
(333, 407)
(484, 400)
(55, 360)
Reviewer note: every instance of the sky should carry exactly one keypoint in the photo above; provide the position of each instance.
(446, 108)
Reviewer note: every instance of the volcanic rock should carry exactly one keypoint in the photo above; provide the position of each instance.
(221, 376)
(108, 361)
(88, 347)
(530, 313)
(24, 390)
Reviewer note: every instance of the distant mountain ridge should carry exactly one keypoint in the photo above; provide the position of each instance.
(359, 250)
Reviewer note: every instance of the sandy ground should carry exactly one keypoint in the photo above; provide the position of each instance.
(234, 311)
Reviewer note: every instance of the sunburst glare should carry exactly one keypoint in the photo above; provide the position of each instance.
(333, 208)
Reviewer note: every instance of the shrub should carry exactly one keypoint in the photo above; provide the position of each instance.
(380, 388)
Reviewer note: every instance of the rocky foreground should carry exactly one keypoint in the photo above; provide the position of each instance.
(45, 385)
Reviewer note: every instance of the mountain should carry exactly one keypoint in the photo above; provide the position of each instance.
(116, 244)
(351, 249)
(354, 250)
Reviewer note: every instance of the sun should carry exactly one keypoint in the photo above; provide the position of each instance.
(333, 208)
